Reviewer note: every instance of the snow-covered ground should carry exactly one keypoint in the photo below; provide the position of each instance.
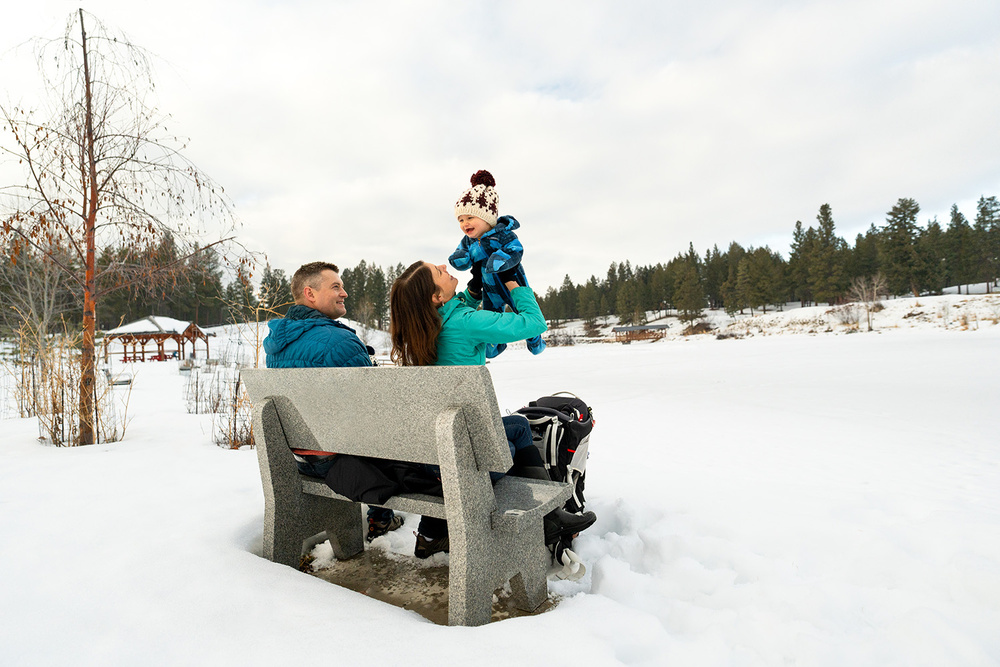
(946, 311)
(812, 500)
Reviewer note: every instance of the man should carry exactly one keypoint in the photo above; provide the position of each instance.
(309, 336)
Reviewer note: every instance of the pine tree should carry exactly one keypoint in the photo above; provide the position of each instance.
(275, 291)
(568, 298)
(898, 250)
(960, 250)
(825, 271)
(932, 253)
(986, 232)
(627, 303)
(589, 301)
(716, 272)
(732, 298)
(862, 261)
(803, 250)
(377, 293)
(690, 296)
(553, 307)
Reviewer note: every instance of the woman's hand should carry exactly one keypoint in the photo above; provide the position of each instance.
(509, 277)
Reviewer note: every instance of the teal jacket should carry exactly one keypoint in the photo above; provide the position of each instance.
(306, 338)
(465, 331)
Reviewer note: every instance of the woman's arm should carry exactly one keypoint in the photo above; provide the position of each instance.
(484, 326)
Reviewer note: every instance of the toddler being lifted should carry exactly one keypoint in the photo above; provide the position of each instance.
(491, 250)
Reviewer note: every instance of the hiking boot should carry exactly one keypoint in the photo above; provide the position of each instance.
(380, 528)
(559, 523)
(425, 548)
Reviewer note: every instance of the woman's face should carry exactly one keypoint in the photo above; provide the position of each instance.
(445, 283)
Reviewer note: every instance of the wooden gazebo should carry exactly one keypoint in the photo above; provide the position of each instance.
(641, 332)
(158, 330)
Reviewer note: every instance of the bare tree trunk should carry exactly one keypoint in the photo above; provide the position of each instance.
(87, 374)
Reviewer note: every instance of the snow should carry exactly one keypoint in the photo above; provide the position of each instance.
(152, 324)
(820, 499)
(948, 311)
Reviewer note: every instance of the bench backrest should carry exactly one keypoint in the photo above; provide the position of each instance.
(386, 412)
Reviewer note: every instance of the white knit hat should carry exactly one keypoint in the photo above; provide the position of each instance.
(481, 199)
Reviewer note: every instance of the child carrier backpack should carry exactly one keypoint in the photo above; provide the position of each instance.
(560, 427)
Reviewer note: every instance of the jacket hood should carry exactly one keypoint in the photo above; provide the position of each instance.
(296, 322)
(508, 222)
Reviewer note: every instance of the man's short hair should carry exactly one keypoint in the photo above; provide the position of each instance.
(308, 274)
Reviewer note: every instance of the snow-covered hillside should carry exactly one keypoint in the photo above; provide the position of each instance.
(947, 311)
(818, 500)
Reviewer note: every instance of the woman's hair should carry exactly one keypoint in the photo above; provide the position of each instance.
(414, 321)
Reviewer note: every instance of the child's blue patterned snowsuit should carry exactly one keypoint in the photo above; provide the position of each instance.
(497, 250)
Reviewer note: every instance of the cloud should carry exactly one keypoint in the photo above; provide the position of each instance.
(347, 130)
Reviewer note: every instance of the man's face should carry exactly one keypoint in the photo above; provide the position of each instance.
(472, 226)
(328, 295)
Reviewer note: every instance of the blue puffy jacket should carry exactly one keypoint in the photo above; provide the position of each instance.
(306, 338)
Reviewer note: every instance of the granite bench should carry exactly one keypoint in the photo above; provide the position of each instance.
(440, 415)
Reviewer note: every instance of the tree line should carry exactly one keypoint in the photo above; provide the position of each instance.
(367, 286)
(820, 268)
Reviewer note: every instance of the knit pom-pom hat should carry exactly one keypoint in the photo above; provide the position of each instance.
(481, 199)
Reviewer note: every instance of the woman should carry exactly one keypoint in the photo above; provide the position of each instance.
(431, 325)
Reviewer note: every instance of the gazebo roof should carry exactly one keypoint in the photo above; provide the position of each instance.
(154, 324)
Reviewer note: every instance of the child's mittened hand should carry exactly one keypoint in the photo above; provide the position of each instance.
(508, 275)
(475, 285)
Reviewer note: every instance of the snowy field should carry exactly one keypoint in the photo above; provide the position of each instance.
(807, 500)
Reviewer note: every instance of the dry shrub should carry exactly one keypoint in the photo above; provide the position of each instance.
(47, 386)
(559, 339)
(697, 328)
(233, 428)
(849, 314)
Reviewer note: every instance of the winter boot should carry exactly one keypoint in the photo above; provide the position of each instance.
(494, 350)
(380, 528)
(558, 523)
(425, 547)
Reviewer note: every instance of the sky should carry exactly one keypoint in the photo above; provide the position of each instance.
(618, 131)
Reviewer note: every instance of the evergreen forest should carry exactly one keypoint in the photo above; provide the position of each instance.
(912, 259)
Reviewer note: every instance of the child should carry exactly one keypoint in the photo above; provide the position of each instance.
(491, 249)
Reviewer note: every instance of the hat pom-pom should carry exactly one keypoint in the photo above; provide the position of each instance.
(482, 177)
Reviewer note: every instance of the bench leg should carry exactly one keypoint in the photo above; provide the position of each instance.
(529, 587)
(470, 593)
(305, 516)
(529, 590)
(346, 530)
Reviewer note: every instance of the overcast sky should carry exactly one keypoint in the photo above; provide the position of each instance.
(616, 130)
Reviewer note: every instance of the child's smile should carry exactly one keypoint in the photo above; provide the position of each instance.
(472, 226)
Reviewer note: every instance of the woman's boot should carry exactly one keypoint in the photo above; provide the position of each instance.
(558, 523)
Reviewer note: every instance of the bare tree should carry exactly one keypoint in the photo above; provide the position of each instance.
(869, 292)
(101, 170)
(35, 291)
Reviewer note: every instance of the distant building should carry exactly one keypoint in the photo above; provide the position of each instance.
(158, 330)
(640, 332)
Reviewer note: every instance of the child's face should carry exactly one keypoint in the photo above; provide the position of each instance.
(472, 226)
